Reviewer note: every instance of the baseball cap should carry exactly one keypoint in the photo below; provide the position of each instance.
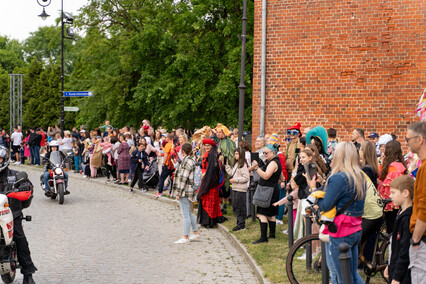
(373, 135)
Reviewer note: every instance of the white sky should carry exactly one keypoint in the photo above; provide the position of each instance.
(20, 17)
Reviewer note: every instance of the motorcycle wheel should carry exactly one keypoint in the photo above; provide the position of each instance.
(9, 277)
(61, 193)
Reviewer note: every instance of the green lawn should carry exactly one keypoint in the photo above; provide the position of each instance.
(271, 256)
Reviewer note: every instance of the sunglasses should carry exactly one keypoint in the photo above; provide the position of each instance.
(409, 138)
(292, 132)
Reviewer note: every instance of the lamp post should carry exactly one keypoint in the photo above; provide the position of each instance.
(68, 20)
(242, 85)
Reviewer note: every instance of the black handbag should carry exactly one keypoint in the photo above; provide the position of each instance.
(263, 195)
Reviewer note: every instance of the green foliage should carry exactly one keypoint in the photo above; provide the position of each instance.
(176, 63)
(41, 97)
(11, 55)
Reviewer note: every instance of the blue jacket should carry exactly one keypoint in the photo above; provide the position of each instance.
(338, 193)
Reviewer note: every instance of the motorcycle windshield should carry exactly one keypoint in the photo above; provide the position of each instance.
(55, 158)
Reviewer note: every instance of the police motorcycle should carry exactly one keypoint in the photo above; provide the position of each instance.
(58, 182)
(8, 249)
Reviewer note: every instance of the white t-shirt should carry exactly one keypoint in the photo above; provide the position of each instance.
(17, 138)
(148, 140)
(66, 145)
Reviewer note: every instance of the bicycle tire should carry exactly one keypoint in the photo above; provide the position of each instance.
(383, 259)
(291, 263)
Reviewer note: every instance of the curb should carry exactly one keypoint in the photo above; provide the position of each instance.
(258, 272)
(246, 256)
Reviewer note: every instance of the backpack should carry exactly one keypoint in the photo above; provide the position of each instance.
(197, 177)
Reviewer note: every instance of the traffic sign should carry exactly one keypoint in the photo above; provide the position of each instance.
(71, 109)
(78, 94)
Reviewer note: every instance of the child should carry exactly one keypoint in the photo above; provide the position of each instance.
(294, 188)
(21, 152)
(107, 149)
(401, 193)
(76, 148)
(239, 177)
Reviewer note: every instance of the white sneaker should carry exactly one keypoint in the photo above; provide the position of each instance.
(182, 241)
(285, 232)
(302, 257)
(194, 236)
(279, 222)
(18, 163)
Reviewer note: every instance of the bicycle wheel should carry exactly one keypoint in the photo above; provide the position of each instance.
(384, 255)
(301, 269)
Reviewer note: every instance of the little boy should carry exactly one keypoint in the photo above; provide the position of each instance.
(401, 193)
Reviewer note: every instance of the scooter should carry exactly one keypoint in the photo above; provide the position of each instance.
(57, 182)
(8, 251)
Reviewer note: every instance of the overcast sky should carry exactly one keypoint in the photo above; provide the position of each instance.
(18, 18)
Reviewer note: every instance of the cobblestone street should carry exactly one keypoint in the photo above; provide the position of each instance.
(103, 234)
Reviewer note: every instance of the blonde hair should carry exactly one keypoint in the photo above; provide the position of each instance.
(67, 132)
(346, 160)
(184, 136)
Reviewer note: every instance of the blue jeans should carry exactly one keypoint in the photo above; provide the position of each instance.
(46, 180)
(188, 218)
(32, 154)
(281, 207)
(333, 262)
(330, 264)
(165, 172)
(77, 162)
(36, 150)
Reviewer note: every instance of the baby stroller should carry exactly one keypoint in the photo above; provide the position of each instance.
(150, 177)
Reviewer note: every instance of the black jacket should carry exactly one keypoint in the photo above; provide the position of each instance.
(47, 157)
(369, 171)
(7, 180)
(134, 159)
(34, 140)
(400, 259)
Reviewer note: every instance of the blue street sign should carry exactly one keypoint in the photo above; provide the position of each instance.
(78, 94)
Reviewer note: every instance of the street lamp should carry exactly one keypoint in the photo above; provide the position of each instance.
(44, 3)
(66, 18)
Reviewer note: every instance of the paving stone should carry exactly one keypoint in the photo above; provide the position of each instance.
(103, 234)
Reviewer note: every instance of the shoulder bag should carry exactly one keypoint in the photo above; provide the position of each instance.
(263, 195)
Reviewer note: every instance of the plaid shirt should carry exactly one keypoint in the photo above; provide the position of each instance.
(184, 179)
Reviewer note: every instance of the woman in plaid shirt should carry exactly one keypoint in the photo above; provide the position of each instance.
(184, 192)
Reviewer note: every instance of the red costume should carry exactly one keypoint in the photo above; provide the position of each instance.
(210, 201)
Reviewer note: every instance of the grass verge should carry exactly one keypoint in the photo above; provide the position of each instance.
(271, 256)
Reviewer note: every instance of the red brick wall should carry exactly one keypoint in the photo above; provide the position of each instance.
(341, 64)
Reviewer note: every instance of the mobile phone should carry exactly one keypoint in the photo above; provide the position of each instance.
(311, 170)
(255, 157)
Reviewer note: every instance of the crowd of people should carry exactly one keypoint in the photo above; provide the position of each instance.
(346, 180)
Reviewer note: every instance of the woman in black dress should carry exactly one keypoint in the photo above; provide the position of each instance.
(270, 175)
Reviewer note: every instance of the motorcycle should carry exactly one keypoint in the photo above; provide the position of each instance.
(57, 183)
(8, 250)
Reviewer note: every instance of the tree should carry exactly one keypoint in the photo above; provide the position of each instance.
(174, 62)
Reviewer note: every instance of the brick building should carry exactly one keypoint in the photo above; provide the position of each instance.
(341, 64)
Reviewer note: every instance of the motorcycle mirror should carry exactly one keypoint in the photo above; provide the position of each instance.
(28, 218)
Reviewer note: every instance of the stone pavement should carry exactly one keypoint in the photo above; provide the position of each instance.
(103, 234)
